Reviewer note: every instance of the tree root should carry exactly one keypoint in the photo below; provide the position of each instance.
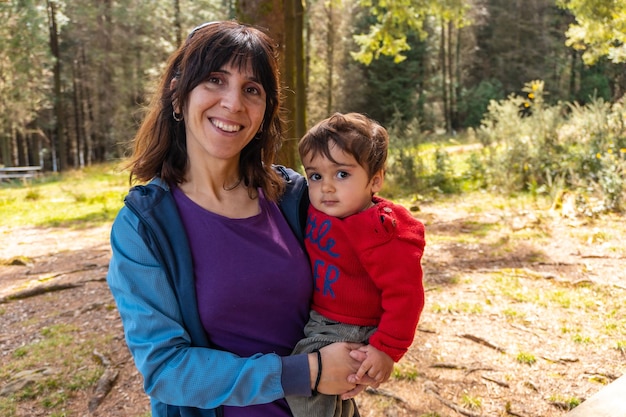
(105, 383)
(495, 381)
(384, 393)
(452, 405)
(483, 342)
(42, 289)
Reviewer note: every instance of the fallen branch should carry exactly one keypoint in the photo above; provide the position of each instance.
(42, 289)
(561, 405)
(105, 383)
(424, 330)
(509, 411)
(483, 342)
(495, 381)
(582, 281)
(445, 365)
(478, 368)
(522, 328)
(556, 263)
(452, 405)
(562, 361)
(384, 393)
(611, 377)
(104, 386)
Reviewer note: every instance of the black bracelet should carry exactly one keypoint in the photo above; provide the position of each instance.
(319, 371)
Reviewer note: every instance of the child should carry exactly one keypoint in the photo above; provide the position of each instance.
(365, 253)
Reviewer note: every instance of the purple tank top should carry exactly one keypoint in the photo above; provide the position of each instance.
(253, 284)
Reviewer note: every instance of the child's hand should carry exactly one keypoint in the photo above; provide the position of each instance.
(377, 365)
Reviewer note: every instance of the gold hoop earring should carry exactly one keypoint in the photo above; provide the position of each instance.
(177, 116)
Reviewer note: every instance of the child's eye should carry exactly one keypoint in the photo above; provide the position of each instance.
(315, 177)
(342, 175)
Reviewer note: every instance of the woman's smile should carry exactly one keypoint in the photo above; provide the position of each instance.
(227, 127)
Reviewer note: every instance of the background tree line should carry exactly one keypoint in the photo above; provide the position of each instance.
(75, 75)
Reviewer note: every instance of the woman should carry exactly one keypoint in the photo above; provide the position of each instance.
(212, 285)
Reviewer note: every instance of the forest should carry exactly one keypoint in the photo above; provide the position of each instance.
(75, 76)
(507, 122)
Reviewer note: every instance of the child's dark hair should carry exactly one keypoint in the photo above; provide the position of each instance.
(353, 133)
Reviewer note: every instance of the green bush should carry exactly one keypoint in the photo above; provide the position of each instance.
(405, 167)
(475, 101)
(531, 146)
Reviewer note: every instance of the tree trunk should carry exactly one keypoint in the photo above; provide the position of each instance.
(60, 141)
(177, 25)
(6, 149)
(573, 74)
(444, 77)
(87, 110)
(79, 158)
(457, 82)
(301, 79)
(330, 54)
(287, 152)
(14, 155)
(106, 86)
(284, 19)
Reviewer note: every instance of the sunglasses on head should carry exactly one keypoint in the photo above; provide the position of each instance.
(197, 28)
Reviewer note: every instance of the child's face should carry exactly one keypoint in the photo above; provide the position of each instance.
(340, 188)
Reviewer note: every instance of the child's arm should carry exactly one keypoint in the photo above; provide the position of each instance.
(392, 258)
(377, 365)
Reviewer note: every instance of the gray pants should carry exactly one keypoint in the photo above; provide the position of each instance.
(320, 332)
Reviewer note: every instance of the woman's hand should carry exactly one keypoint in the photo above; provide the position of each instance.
(339, 368)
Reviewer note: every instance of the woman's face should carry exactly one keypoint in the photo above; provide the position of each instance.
(223, 113)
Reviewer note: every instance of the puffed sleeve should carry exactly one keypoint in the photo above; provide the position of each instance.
(391, 251)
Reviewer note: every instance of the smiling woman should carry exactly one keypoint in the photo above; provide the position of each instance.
(208, 273)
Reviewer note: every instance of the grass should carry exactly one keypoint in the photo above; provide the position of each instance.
(75, 199)
(568, 403)
(526, 358)
(405, 371)
(471, 402)
(458, 308)
(593, 313)
(52, 378)
(588, 312)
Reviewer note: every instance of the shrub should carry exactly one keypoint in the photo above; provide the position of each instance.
(531, 146)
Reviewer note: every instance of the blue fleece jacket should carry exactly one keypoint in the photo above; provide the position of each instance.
(151, 279)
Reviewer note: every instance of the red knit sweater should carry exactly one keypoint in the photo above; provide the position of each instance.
(367, 271)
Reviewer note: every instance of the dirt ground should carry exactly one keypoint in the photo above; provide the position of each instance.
(522, 321)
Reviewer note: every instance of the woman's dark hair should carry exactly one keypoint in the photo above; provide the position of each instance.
(160, 148)
(355, 134)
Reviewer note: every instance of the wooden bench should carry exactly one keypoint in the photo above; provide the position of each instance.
(610, 401)
(26, 172)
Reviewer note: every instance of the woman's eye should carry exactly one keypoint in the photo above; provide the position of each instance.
(214, 80)
(255, 90)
